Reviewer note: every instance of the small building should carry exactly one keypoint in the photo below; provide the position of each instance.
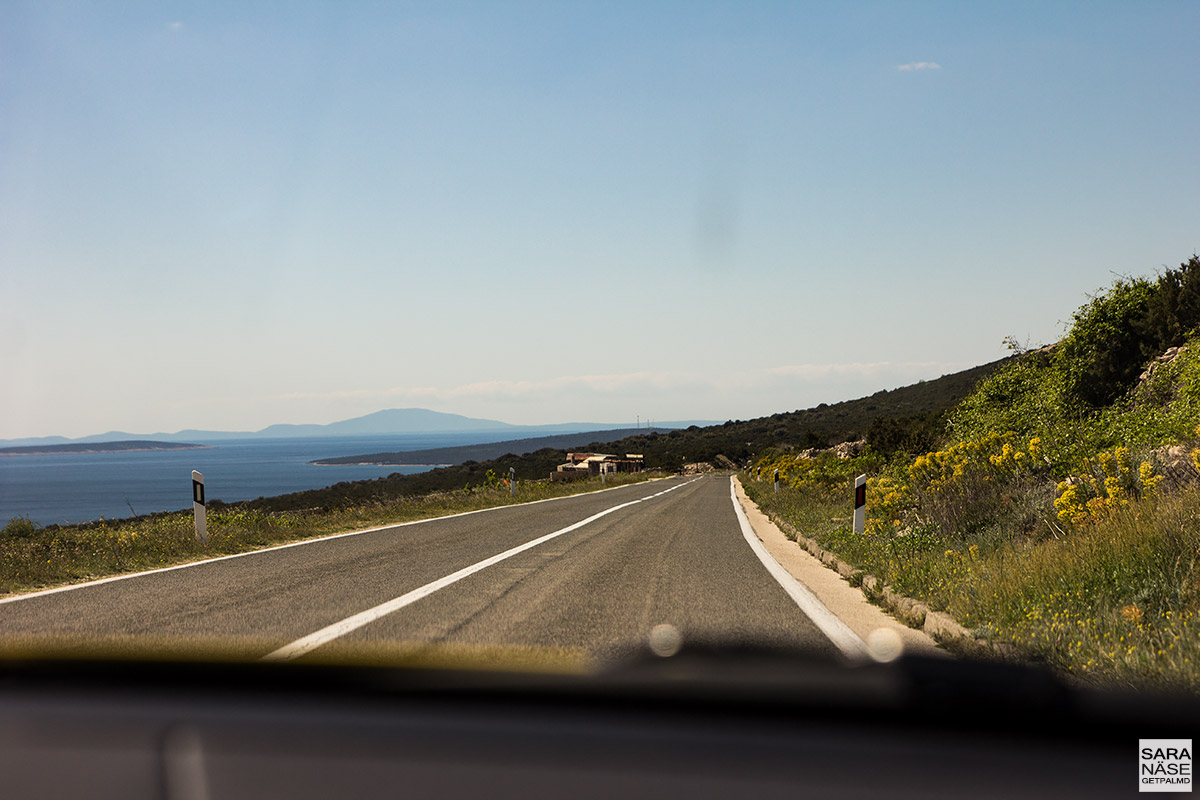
(581, 465)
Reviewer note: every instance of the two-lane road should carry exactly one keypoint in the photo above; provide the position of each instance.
(595, 572)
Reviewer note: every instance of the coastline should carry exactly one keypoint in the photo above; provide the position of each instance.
(375, 464)
(45, 452)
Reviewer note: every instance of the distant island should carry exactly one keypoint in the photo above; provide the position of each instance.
(450, 456)
(132, 446)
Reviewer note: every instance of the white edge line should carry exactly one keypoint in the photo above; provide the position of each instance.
(114, 578)
(314, 640)
(834, 629)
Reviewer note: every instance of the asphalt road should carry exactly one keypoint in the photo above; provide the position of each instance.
(671, 552)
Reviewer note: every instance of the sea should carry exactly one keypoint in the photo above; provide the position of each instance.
(80, 487)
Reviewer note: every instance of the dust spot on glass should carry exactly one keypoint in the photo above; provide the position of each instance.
(884, 645)
(665, 640)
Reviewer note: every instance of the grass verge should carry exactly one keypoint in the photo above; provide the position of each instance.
(1112, 602)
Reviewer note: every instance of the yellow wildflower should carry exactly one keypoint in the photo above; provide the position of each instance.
(1147, 477)
(1115, 492)
(1121, 456)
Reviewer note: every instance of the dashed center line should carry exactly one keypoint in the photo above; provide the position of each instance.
(338, 629)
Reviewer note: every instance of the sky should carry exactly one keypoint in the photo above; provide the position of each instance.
(225, 215)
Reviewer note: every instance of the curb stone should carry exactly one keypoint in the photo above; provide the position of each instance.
(941, 625)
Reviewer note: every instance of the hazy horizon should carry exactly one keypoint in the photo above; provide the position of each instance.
(597, 425)
(228, 216)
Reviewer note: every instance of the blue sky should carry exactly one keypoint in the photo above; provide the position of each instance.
(225, 215)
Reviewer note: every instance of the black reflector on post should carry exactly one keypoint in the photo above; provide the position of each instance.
(198, 510)
(860, 504)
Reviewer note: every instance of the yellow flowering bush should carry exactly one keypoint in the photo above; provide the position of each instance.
(962, 486)
(826, 472)
(1071, 503)
(955, 489)
(890, 500)
(1110, 484)
(992, 457)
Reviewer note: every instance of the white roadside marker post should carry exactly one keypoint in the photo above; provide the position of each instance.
(198, 507)
(776, 481)
(512, 481)
(860, 504)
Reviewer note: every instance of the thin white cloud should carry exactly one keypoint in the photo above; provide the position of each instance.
(176, 26)
(625, 383)
(668, 394)
(865, 370)
(511, 389)
(363, 394)
(589, 383)
(917, 66)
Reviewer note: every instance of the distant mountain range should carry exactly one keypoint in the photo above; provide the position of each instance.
(381, 423)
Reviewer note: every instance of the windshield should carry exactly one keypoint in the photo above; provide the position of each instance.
(533, 334)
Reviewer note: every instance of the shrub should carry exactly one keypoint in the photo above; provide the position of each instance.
(1025, 398)
(919, 433)
(19, 528)
(1103, 353)
(1174, 312)
(1113, 335)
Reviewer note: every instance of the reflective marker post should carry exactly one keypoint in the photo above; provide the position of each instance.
(198, 507)
(776, 481)
(512, 481)
(860, 504)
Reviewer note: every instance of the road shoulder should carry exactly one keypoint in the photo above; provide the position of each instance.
(844, 600)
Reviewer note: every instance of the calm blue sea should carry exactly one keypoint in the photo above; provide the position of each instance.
(86, 486)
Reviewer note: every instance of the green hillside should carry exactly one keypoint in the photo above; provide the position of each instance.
(909, 417)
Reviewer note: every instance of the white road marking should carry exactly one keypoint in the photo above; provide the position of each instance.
(72, 587)
(352, 623)
(834, 629)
